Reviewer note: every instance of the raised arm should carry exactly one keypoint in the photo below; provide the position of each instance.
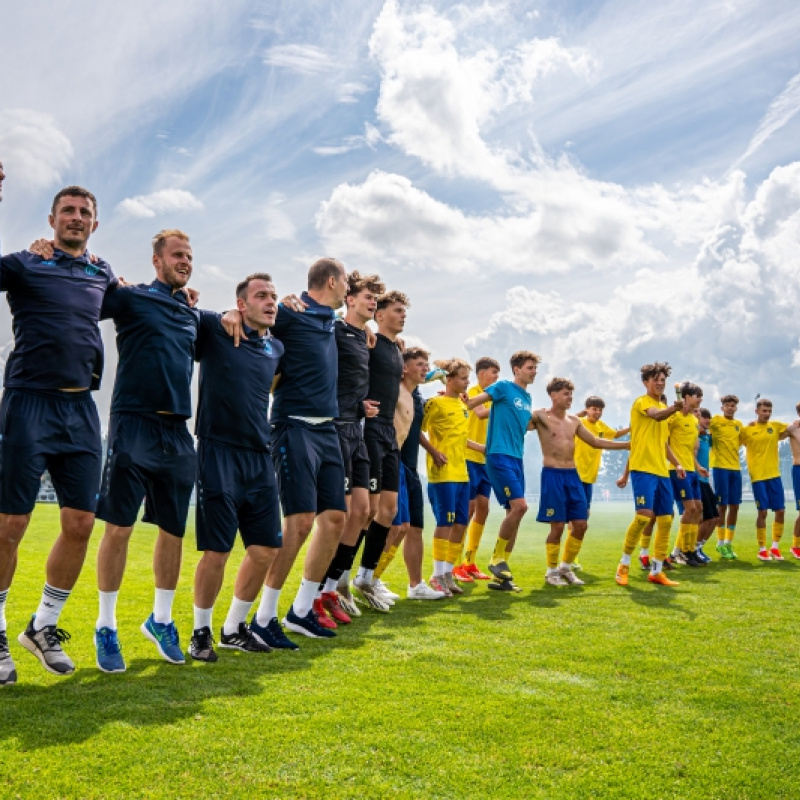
(478, 400)
(600, 444)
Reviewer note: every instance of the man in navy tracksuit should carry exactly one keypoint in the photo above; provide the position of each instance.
(236, 487)
(48, 420)
(150, 451)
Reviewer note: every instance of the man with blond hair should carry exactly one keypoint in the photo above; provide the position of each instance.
(509, 421)
(150, 450)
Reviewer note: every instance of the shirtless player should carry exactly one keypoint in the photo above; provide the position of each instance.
(563, 498)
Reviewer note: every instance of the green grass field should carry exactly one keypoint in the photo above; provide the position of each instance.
(556, 692)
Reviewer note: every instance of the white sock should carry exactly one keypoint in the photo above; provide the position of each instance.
(162, 607)
(644, 551)
(656, 566)
(202, 617)
(107, 617)
(345, 579)
(365, 575)
(50, 606)
(237, 614)
(3, 598)
(564, 565)
(330, 585)
(305, 597)
(448, 567)
(625, 560)
(726, 541)
(552, 570)
(268, 608)
(438, 568)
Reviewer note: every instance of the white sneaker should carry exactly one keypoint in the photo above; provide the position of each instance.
(570, 577)
(346, 599)
(367, 592)
(385, 590)
(424, 592)
(555, 579)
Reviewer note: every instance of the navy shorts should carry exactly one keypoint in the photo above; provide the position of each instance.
(652, 492)
(308, 464)
(150, 459)
(796, 484)
(588, 490)
(384, 458)
(416, 498)
(769, 494)
(687, 488)
(354, 456)
(507, 475)
(710, 510)
(450, 503)
(50, 430)
(479, 483)
(403, 514)
(728, 486)
(563, 498)
(236, 490)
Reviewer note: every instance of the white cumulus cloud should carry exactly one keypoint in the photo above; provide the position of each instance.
(32, 142)
(166, 201)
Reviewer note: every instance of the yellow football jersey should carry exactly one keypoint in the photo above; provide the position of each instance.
(683, 435)
(446, 421)
(587, 458)
(648, 438)
(477, 427)
(761, 443)
(725, 442)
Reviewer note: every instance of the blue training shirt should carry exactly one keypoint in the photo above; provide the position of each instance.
(703, 452)
(156, 334)
(235, 384)
(55, 305)
(309, 366)
(508, 419)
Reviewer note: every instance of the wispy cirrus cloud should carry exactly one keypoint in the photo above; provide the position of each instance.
(780, 112)
(306, 59)
(164, 201)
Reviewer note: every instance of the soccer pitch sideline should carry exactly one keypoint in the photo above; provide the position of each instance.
(596, 691)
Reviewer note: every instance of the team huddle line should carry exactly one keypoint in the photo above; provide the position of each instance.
(309, 421)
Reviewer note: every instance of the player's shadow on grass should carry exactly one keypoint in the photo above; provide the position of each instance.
(662, 597)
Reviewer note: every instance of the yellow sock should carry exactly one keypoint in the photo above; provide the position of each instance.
(644, 541)
(761, 538)
(634, 533)
(509, 548)
(680, 539)
(474, 534)
(721, 534)
(693, 531)
(777, 532)
(386, 558)
(455, 552)
(441, 549)
(795, 541)
(661, 539)
(552, 554)
(730, 532)
(499, 551)
(571, 549)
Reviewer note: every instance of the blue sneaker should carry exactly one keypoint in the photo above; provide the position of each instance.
(165, 638)
(306, 625)
(109, 653)
(702, 555)
(272, 634)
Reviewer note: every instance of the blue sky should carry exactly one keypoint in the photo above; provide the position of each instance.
(604, 183)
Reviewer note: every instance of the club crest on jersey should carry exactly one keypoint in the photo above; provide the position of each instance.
(48, 263)
(769, 430)
(91, 269)
(268, 348)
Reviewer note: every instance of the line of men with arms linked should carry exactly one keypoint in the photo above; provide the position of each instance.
(340, 451)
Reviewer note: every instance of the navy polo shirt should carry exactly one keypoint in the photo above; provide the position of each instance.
(55, 305)
(309, 366)
(235, 383)
(156, 334)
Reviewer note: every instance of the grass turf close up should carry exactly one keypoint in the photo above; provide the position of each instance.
(595, 691)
